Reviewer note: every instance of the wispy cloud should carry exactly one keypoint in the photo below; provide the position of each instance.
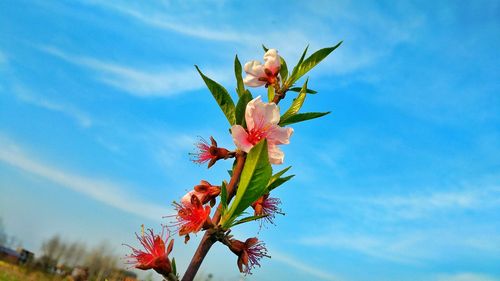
(137, 82)
(301, 266)
(421, 205)
(25, 95)
(105, 191)
(310, 30)
(3, 58)
(172, 23)
(465, 276)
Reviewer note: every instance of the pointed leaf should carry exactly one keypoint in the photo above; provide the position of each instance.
(241, 107)
(283, 70)
(223, 196)
(174, 267)
(306, 65)
(265, 48)
(279, 174)
(222, 97)
(248, 219)
(279, 182)
(240, 87)
(296, 67)
(253, 182)
(302, 117)
(297, 89)
(296, 104)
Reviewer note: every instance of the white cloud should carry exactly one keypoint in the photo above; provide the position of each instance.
(3, 58)
(416, 206)
(173, 23)
(466, 276)
(317, 29)
(134, 81)
(105, 191)
(27, 96)
(413, 229)
(301, 266)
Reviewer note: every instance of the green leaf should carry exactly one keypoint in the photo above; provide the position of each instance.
(297, 89)
(223, 196)
(306, 65)
(248, 219)
(279, 182)
(279, 174)
(270, 93)
(296, 104)
(241, 107)
(253, 182)
(303, 56)
(222, 97)
(296, 67)
(174, 267)
(276, 179)
(240, 90)
(283, 69)
(265, 48)
(302, 117)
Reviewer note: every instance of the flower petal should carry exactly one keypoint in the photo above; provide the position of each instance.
(276, 156)
(254, 70)
(186, 199)
(272, 61)
(279, 135)
(260, 115)
(240, 138)
(253, 81)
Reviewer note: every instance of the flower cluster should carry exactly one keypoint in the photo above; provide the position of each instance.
(258, 130)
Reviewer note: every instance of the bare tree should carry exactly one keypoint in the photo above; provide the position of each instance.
(74, 254)
(101, 262)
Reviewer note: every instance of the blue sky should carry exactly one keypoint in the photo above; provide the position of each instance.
(100, 105)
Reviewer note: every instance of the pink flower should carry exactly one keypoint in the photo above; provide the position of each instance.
(155, 255)
(249, 253)
(262, 123)
(258, 74)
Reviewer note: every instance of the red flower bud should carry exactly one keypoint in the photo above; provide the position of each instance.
(268, 207)
(209, 152)
(249, 253)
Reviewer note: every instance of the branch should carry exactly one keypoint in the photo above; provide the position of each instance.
(208, 240)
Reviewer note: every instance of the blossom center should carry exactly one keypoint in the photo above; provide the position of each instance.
(255, 136)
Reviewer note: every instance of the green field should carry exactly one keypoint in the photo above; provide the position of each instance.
(10, 272)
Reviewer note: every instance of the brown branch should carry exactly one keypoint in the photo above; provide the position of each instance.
(279, 93)
(208, 240)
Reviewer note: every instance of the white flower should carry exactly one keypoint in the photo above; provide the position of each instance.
(258, 74)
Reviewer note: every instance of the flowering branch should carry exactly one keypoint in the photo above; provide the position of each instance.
(208, 239)
(258, 130)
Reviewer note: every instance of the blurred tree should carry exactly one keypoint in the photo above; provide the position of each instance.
(3, 234)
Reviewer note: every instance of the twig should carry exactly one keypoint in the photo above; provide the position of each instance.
(208, 240)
